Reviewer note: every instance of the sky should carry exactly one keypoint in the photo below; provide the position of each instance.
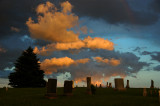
(75, 39)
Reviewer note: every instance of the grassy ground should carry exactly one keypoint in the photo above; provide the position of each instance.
(103, 97)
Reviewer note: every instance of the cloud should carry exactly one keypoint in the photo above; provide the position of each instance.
(2, 50)
(112, 61)
(98, 43)
(113, 11)
(154, 55)
(157, 68)
(155, 5)
(15, 13)
(100, 59)
(4, 74)
(140, 49)
(11, 49)
(57, 26)
(88, 42)
(15, 29)
(82, 61)
(54, 25)
(129, 65)
(146, 53)
(9, 58)
(51, 65)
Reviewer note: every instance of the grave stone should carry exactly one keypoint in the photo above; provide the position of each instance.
(89, 85)
(152, 84)
(51, 89)
(127, 86)
(110, 85)
(119, 84)
(100, 86)
(107, 85)
(68, 88)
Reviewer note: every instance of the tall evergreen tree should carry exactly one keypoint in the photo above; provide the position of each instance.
(27, 71)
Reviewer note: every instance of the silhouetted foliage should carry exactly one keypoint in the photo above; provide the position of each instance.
(93, 89)
(27, 71)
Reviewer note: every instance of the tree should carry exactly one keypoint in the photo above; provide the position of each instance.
(27, 71)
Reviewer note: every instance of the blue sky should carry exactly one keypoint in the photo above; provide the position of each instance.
(132, 25)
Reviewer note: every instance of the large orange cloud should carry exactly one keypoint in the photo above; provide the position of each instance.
(88, 42)
(98, 43)
(57, 25)
(51, 65)
(54, 25)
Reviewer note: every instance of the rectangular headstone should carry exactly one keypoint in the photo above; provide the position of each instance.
(52, 86)
(51, 89)
(89, 85)
(68, 87)
(119, 84)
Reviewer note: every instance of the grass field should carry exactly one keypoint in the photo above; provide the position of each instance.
(103, 97)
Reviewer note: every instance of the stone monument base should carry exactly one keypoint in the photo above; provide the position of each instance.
(51, 95)
(120, 89)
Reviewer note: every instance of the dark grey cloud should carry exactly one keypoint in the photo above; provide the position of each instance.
(15, 13)
(155, 5)
(13, 47)
(157, 68)
(8, 58)
(129, 64)
(41, 43)
(154, 55)
(139, 50)
(146, 53)
(5, 74)
(113, 11)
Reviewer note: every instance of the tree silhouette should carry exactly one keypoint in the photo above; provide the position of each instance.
(27, 71)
